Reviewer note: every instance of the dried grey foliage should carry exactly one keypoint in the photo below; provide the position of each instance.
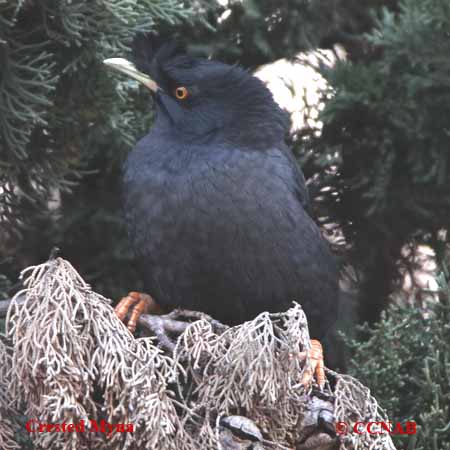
(355, 404)
(71, 359)
(253, 369)
(7, 426)
(69, 349)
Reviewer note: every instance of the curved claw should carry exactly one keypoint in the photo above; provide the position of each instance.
(136, 303)
(316, 368)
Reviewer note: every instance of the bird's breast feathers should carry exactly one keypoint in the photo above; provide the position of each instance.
(228, 222)
(200, 202)
(228, 188)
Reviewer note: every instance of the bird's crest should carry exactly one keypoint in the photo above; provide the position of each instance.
(151, 52)
(227, 97)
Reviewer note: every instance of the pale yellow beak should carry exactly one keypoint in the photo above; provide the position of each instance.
(128, 68)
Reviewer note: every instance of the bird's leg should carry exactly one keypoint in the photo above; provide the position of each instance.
(315, 368)
(136, 303)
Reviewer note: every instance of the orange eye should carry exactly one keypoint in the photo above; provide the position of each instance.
(181, 93)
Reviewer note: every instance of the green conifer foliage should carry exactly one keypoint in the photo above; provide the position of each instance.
(387, 134)
(66, 124)
(256, 32)
(406, 363)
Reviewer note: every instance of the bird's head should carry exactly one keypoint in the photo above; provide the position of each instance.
(204, 99)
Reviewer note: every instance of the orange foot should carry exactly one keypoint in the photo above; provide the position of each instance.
(315, 368)
(138, 303)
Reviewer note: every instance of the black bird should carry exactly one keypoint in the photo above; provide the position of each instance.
(215, 203)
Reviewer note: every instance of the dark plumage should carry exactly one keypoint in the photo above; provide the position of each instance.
(214, 201)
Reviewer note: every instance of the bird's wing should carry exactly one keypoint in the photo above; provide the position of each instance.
(299, 181)
(261, 236)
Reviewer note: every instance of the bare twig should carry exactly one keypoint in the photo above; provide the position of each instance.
(167, 328)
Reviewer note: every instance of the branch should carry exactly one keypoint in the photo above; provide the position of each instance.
(168, 327)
